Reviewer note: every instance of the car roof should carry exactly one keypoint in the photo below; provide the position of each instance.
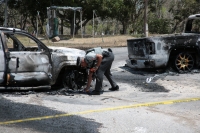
(10, 29)
(194, 16)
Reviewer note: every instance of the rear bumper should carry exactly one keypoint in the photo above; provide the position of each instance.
(141, 63)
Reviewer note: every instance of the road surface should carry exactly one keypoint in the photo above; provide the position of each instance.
(149, 101)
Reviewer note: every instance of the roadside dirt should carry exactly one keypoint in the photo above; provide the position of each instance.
(85, 43)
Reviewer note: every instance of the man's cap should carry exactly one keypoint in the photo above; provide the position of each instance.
(89, 61)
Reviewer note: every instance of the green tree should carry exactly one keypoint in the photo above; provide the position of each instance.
(125, 11)
(159, 25)
(29, 10)
(87, 12)
(137, 16)
(157, 19)
(181, 9)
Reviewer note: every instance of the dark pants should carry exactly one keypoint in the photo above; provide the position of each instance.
(104, 69)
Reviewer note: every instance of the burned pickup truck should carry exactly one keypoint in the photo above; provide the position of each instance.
(26, 63)
(179, 51)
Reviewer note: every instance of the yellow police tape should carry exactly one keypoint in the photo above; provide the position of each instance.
(102, 110)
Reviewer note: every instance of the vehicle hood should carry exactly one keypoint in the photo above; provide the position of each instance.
(67, 51)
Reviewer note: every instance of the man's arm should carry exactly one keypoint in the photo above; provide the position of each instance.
(99, 60)
(92, 70)
(89, 81)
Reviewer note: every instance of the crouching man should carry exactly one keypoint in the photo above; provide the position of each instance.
(98, 61)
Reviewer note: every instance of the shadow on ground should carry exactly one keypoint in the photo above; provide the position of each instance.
(10, 111)
(144, 80)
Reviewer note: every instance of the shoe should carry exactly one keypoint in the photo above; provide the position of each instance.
(95, 92)
(86, 91)
(116, 88)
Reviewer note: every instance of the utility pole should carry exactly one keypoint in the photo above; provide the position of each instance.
(145, 19)
(38, 15)
(6, 14)
(93, 26)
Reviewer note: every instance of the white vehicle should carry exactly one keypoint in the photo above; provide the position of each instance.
(33, 65)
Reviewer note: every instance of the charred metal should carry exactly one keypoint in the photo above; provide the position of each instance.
(179, 51)
(31, 64)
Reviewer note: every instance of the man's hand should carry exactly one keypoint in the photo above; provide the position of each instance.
(99, 60)
(94, 69)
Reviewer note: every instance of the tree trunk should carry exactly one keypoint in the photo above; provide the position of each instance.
(61, 30)
(124, 27)
(15, 23)
(24, 23)
(21, 18)
(77, 26)
(33, 23)
(174, 28)
(71, 27)
(41, 25)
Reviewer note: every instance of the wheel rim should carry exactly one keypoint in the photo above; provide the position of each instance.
(69, 81)
(184, 62)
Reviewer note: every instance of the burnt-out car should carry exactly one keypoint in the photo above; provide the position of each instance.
(179, 51)
(27, 63)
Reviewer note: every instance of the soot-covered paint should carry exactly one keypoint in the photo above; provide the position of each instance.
(163, 45)
(23, 66)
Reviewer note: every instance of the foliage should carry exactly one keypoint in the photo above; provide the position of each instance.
(164, 16)
(88, 6)
(125, 11)
(159, 25)
(181, 9)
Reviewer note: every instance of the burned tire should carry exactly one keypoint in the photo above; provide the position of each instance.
(184, 62)
(74, 79)
(69, 80)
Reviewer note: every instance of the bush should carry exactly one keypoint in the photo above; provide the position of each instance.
(159, 26)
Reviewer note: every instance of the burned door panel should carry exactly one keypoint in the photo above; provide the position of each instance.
(27, 67)
(28, 79)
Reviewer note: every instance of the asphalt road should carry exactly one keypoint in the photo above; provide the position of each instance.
(149, 101)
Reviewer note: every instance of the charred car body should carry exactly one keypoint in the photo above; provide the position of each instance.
(29, 64)
(179, 51)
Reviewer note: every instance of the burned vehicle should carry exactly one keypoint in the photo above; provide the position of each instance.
(179, 51)
(27, 63)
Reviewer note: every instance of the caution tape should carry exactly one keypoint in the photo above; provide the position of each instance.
(103, 110)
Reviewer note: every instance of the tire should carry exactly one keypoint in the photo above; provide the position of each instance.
(68, 80)
(73, 80)
(184, 62)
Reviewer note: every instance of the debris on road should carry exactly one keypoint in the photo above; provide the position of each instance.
(148, 80)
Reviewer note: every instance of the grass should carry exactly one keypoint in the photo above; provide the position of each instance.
(89, 42)
(78, 42)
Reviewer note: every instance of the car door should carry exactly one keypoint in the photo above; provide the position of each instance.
(2, 59)
(29, 64)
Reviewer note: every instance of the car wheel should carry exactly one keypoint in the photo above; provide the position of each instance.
(69, 80)
(184, 62)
